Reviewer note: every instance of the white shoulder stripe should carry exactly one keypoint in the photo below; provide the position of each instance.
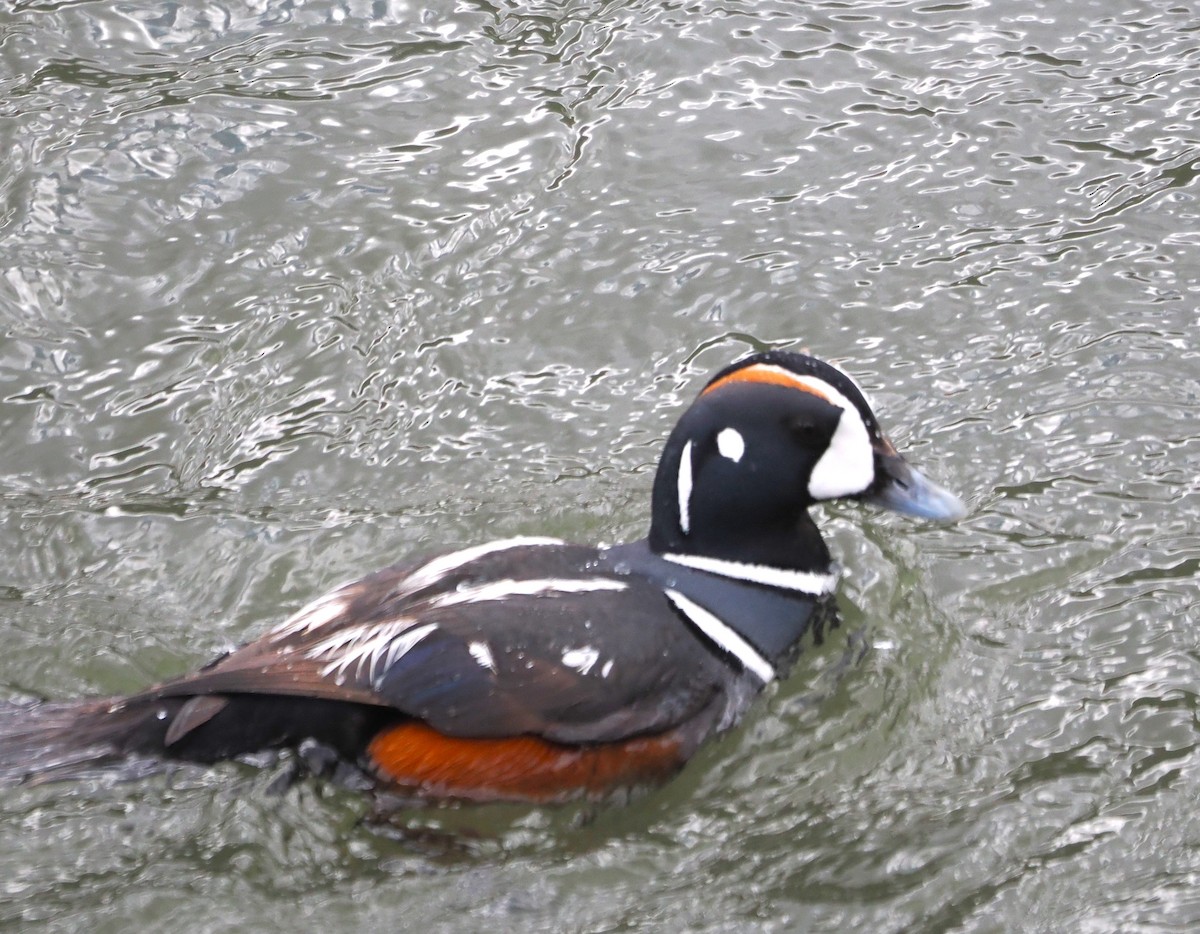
(503, 589)
(809, 582)
(331, 605)
(435, 570)
(724, 636)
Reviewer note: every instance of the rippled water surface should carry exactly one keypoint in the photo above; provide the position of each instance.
(290, 289)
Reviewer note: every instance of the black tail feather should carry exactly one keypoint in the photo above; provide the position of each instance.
(59, 741)
(53, 741)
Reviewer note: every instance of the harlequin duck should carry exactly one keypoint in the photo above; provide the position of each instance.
(532, 669)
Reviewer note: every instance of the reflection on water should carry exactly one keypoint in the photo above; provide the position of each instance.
(288, 290)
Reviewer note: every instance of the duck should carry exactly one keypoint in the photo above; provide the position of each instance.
(532, 669)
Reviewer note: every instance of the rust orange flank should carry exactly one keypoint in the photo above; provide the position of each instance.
(417, 757)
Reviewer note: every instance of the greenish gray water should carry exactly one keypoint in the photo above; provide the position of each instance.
(288, 290)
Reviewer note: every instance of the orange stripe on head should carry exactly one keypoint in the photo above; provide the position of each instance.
(415, 756)
(770, 374)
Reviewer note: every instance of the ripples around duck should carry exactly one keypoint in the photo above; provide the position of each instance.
(289, 290)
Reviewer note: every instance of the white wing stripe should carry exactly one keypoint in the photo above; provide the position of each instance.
(401, 645)
(371, 649)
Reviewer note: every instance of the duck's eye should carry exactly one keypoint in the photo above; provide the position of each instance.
(807, 430)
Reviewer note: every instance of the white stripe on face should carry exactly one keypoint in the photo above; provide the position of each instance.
(684, 483)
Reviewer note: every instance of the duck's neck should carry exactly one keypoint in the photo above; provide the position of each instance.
(793, 544)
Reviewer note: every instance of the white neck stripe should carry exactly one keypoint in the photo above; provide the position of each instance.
(724, 636)
(809, 582)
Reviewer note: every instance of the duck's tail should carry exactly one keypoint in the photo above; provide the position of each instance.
(42, 742)
(130, 737)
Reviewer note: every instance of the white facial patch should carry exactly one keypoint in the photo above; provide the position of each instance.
(848, 465)
(684, 487)
(731, 444)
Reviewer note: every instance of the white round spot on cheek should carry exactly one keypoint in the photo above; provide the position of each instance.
(731, 444)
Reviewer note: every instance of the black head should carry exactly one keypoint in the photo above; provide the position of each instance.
(767, 438)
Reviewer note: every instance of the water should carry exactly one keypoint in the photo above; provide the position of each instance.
(289, 290)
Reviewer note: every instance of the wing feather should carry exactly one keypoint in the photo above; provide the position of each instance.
(581, 658)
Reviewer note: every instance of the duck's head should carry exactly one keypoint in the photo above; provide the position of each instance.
(767, 438)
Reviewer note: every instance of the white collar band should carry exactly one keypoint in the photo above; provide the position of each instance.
(809, 582)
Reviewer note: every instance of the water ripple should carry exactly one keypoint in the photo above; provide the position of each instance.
(290, 290)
